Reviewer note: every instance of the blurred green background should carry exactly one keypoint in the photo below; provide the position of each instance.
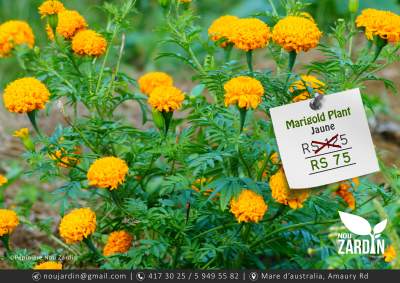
(143, 37)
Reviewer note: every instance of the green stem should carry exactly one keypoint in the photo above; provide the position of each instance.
(6, 242)
(292, 61)
(92, 248)
(249, 58)
(103, 65)
(167, 120)
(243, 113)
(32, 119)
(228, 52)
(379, 45)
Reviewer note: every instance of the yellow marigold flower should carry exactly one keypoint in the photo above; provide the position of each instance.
(150, 81)
(77, 225)
(49, 32)
(107, 172)
(64, 159)
(22, 133)
(221, 28)
(48, 265)
(185, 1)
(283, 194)
(248, 207)
(296, 33)
(25, 95)
(244, 91)
(51, 7)
(118, 242)
(390, 254)
(8, 221)
(199, 183)
(275, 158)
(89, 42)
(69, 23)
(166, 98)
(3, 180)
(300, 87)
(14, 33)
(249, 34)
(384, 24)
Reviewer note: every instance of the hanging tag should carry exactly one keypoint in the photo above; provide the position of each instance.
(331, 144)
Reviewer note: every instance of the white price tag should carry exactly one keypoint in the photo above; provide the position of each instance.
(319, 147)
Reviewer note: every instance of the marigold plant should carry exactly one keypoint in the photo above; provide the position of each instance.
(151, 143)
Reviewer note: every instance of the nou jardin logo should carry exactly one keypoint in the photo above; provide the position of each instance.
(361, 227)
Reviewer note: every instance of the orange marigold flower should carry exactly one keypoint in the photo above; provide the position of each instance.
(51, 7)
(283, 194)
(22, 133)
(244, 91)
(69, 23)
(107, 172)
(150, 81)
(48, 265)
(300, 88)
(384, 24)
(89, 43)
(118, 242)
(249, 34)
(221, 28)
(25, 95)
(14, 33)
(345, 194)
(77, 225)
(390, 254)
(3, 180)
(248, 207)
(166, 98)
(8, 221)
(296, 33)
